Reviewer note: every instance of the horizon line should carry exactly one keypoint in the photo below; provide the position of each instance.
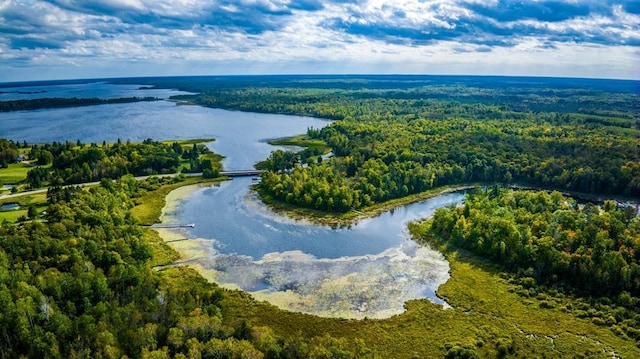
(328, 75)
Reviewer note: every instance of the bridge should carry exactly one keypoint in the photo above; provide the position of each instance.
(240, 173)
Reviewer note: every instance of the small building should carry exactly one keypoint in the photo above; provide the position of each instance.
(21, 157)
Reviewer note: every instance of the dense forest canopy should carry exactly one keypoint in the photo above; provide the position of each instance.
(78, 281)
(80, 284)
(404, 135)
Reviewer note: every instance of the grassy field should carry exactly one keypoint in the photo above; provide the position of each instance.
(15, 173)
(187, 144)
(38, 200)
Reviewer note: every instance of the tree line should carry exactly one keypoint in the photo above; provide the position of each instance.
(8, 152)
(58, 102)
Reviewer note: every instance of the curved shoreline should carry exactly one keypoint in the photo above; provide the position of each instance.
(348, 280)
(198, 253)
(349, 218)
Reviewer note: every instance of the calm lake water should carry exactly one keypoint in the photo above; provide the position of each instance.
(368, 270)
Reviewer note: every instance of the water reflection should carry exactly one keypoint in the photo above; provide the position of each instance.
(368, 270)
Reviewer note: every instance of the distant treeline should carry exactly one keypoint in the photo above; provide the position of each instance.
(57, 102)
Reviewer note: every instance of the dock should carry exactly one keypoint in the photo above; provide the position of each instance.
(186, 225)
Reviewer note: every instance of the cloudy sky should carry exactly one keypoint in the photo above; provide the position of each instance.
(60, 39)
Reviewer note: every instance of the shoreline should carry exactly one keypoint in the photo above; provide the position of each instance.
(336, 220)
(194, 253)
(191, 250)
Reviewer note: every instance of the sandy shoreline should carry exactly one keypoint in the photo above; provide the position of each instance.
(191, 250)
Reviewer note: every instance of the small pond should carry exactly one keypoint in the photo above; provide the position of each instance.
(9, 206)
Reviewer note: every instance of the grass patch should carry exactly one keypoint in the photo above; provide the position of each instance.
(188, 142)
(38, 200)
(15, 173)
(162, 254)
(211, 156)
(301, 141)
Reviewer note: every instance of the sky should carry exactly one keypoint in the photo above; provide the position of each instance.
(70, 39)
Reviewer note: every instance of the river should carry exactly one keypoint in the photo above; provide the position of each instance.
(367, 270)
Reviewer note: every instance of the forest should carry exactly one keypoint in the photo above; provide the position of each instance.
(74, 162)
(552, 240)
(533, 273)
(403, 135)
(80, 284)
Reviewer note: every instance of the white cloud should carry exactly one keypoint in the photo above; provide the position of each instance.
(40, 38)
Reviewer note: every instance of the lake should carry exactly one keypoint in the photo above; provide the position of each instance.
(367, 270)
(84, 90)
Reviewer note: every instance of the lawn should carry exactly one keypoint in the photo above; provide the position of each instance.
(38, 200)
(15, 173)
(301, 141)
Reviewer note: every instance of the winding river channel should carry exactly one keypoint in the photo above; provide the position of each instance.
(367, 270)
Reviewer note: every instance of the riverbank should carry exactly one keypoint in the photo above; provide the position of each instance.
(336, 220)
(191, 250)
